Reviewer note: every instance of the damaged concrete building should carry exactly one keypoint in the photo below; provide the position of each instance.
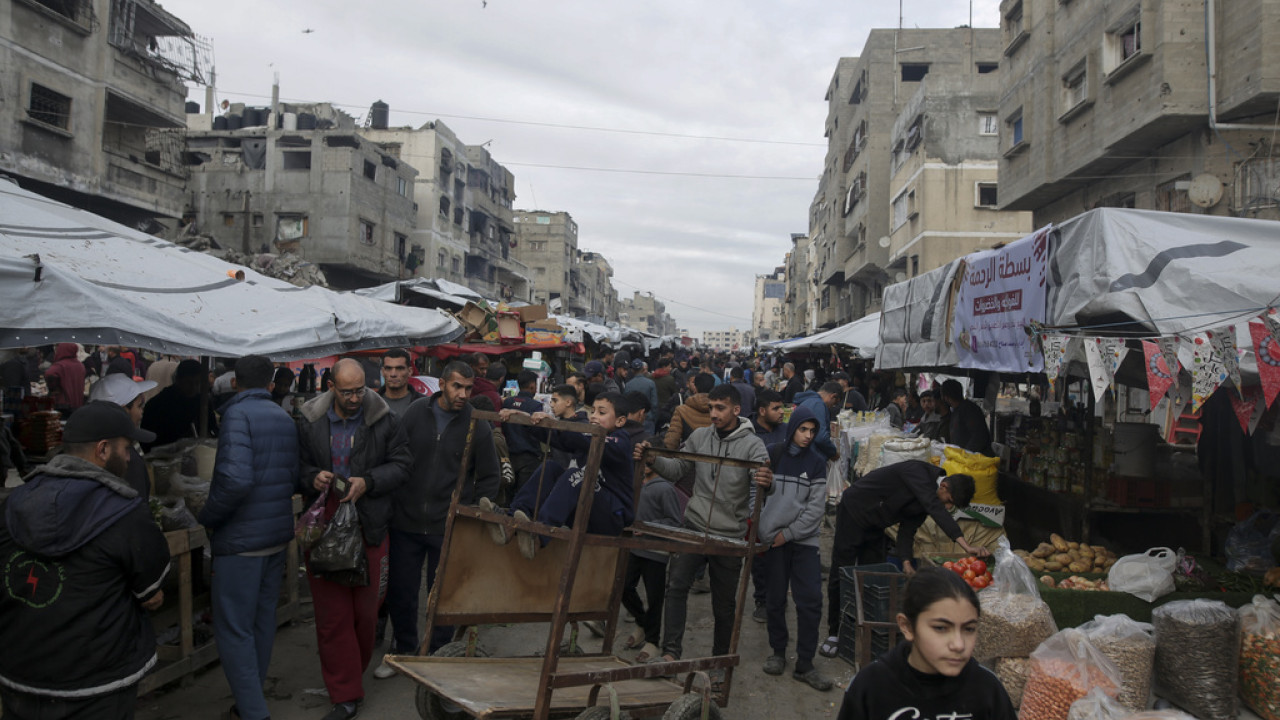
(95, 93)
(303, 180)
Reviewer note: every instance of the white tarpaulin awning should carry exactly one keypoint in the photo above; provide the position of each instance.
(915, 322)
(67, 275)
(863, 335)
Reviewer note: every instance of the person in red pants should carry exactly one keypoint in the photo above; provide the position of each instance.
(350, 438)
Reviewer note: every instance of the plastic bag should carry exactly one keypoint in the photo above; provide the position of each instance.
(1014, 619)
(898, 450)
(339, 555)
(1131, 645)
(1198, 657)
(1169, 714)
(1249, 543)
(1064, 669)
(1147, 575)
(310, 525)
(192, 489)
(1260, 657)
(1097, 705)
(174, 515)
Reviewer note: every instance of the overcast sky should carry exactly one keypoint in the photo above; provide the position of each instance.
(658, 69)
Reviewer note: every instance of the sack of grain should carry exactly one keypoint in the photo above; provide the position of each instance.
(1064, 669)
(1014, 620)
(1260, 657)
(1198, 657)
(1131, 645)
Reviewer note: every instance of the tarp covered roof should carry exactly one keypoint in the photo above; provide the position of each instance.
(915, 320)
(863, 335)
(67, 275)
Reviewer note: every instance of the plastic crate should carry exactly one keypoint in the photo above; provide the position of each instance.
(860, 644)
(874, 588)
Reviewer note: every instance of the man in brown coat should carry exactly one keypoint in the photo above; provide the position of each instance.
(693, 414)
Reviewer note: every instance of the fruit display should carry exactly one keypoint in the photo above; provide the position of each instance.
(1062, 555)
(1075, 582)
(972, 569)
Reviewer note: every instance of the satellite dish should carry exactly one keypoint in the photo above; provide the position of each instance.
(884, 241)
(1205, 190)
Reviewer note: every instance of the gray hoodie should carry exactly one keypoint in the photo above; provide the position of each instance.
(730, 486)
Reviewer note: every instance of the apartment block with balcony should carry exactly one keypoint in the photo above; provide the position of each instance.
(723, 340)
(851, 217)
(329, 195)
(464, 218)
(642, 311)
(94, 100)
(1139, 103)
(798, 299)
(547, 243)
(601, 301)
(943, 185)
(767, 313)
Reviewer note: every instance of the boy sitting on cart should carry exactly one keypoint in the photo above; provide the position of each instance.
(551, 493)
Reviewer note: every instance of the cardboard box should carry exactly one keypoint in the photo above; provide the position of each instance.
(473, 316)
(551, 325)
(509, 330)
(532, 313)
(543, 337)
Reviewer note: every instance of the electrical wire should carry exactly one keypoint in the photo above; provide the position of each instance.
(657, 172)
(677, 302)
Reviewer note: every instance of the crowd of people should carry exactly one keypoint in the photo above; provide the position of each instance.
(372, 440)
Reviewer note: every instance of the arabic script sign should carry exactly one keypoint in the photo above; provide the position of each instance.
(1002, 291)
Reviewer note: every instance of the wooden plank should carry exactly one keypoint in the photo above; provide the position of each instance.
(161, 676)
(506, 687)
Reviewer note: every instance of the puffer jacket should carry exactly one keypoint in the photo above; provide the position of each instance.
(82, 553)
(732, 486)
(380, 454)
(693, 414)
(250, 504)
(799, 496)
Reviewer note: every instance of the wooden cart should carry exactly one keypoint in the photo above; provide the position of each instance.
(576, 577)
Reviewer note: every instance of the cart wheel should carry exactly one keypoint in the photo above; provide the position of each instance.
(689, 707)
(430, 705)
(601, 712)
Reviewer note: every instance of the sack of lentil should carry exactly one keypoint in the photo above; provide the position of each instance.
(1198, 657)
(1012, 673)
(1131, 645)
(1014, 620)
(1063, 670)
(1260, 657)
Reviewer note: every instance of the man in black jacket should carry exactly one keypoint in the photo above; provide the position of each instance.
(437, 430)
(351, 440)
(968, 424)
(901, 494)
(83, 562)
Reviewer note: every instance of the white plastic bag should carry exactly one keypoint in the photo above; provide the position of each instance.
(898, 450)
(1147, 575)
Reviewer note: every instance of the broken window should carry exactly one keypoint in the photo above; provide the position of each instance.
(915, 133)
(985, 68)
(1074, 86)
(295, 160)
(77, 11)
(914, 72)
(291, 226)
(987, 124)
(985, 195)
(370, 170)
(350, 141)
(444, 206)
(366, 233)
(49, 107)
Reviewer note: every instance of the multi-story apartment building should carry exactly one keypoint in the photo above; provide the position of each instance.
(797, 304)
(642, 311)
(323, 192)
(723, 340)
(597, 284)
(1165, 105)
(943, 171)
(547, 243)
(766, 313)
(464, 217)
(851, 215)
(94, 95)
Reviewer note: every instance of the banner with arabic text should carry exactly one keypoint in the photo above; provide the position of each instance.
(1001, 292)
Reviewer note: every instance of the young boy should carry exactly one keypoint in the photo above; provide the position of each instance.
(771, 431)
(660, 504)
(564, 406)
(790, 521)
(551, 494)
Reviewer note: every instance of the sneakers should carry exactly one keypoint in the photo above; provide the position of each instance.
(343, 711)
(527, 541)
(774, 665)
(384, 671)
(497, 532)
(813, 679)
(760, 615)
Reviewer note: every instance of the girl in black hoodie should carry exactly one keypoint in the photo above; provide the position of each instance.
(931, 675)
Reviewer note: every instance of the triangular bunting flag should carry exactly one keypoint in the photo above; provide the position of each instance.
(1259, 409)
(1113, 351)
(1224, 344)
(1158, 376)
(1055, 354)
(1244, 408)
(1208, 370)
(1267, 352)
(1098, 375)
(1272, 320)
(1169, 348)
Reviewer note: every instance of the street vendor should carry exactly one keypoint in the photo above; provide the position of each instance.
(901, 494)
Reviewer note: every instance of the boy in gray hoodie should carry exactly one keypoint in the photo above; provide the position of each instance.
(789, 521)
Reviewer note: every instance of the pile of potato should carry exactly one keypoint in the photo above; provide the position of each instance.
(1061, 555)
(1075, 582)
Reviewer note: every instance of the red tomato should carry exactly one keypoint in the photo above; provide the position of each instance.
(987, 575)
(949, 565)
(969, 575)
(957, 569)
(978, 566)
(981, 581)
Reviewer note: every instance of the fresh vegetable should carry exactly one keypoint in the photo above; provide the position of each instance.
(973, 570)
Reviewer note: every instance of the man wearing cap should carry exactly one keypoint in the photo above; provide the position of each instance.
(641, 382)
(124, 391)
(249, 515)
(174, 413)
(83, 562)
(595, 375)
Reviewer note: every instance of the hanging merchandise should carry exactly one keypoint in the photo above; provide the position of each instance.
(1208, 369)
(1159, 377)
(1224, 343)
(1099, 377)
(1056, 354)
(1267, 351)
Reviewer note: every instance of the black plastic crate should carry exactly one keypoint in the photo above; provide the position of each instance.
(875, 587)
(860, 645)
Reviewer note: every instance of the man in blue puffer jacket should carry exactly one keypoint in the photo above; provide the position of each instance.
(249, 515)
